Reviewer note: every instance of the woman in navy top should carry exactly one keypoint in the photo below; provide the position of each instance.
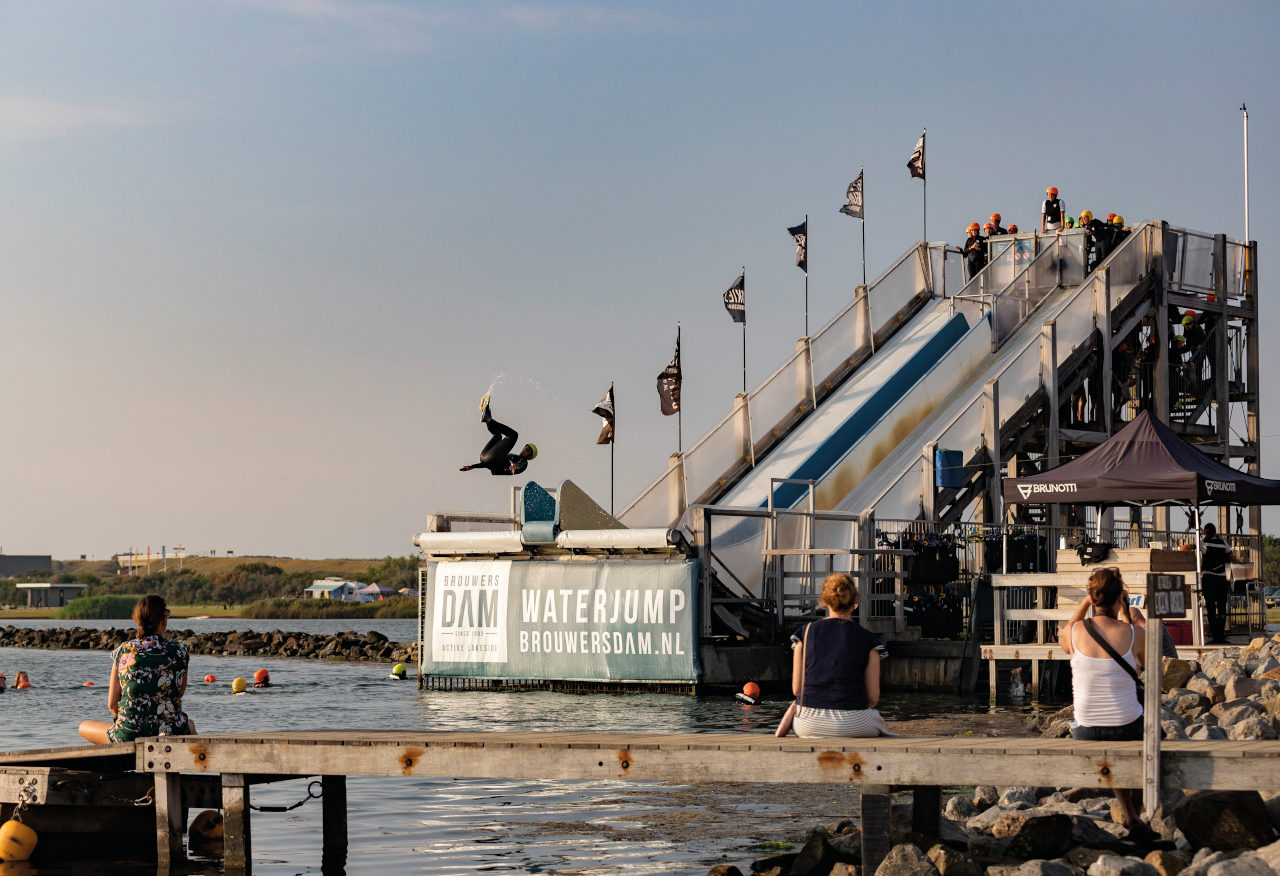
(835, 671)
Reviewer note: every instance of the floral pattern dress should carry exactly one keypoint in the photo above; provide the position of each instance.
(151, 672)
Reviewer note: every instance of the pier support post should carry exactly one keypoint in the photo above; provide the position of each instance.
(236, 845)
(926, 809)
(170, 824)
(876, 838)
(333, 802)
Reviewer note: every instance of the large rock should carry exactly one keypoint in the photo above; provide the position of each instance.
(1187, 704)
(1114, 865)
(959, 808)
(905, 859)
(1034, 868)
(1253, 727)
(1176, 672)
(1046, 836)
(948, 862)
(985, 796)
(1011, 797)
(816, 855)
(1168, 863)
(1225, 820)
(1268, 665)
(1206, 732)
(1270, 854)
(777, 865)
(1243, 687)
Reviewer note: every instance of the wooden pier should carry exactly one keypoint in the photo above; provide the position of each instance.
(220, 770)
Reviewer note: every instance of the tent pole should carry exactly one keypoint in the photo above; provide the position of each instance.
(1197, 596)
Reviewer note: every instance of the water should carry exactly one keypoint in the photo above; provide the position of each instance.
(395, 629)
(440, 826)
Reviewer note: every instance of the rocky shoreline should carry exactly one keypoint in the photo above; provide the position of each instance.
(240, 643)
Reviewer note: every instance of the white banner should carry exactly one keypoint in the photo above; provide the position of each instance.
(469, 612)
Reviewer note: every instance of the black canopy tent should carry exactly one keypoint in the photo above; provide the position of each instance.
(1145, 463)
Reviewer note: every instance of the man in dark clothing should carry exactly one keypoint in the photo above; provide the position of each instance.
(996, 226)
(1215, 554)
(1051, 212)
(975, 251)
(497, 456)
(1099, 238)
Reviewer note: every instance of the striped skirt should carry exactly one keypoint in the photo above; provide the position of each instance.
(811, 723)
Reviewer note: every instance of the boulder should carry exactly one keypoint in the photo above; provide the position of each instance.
(1252, 727)
(1114, 865)
(1168, 863)
(1267, 665)
(1176, 672)
(905, 859)
(949, 862)
(816, 855)
(1187, 704)
(1011, 797)
(724, 870)
(1237, 688)
(1173, 728)
(960, 808)
(1205, 732)
(1034, 868)
(1271, 855)
(1225, 820)
(1046, 836)
(776, 865)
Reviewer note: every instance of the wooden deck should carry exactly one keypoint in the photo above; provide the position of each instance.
(872, 767)
(188, 771)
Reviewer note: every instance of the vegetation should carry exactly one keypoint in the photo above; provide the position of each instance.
(323, 609)
(101, 607)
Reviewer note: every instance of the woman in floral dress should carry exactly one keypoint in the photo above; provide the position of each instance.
(148, 679)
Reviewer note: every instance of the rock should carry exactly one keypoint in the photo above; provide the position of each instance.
(777, 865)
(1271, 800)
(1011, 797)
(1173, 728)
(1203, 861)
(985, 796)
(1113, 865)
(905, 859)
(1035, 868)
(1168, 863)
(1252, 727)
(1200, 683)
(1205, 732)
(1268, 665)
(843, 869)
(848, 846)
(1187, 704)
(960, 808)
(1084, 856)
(1270, 854)
(1176, 673)
(816, 855)
(1227, 671)
(948, 862)
(1076, 795)
(1047, 836)
(1237, 688)
(985, 819)
(1246, 865)
(1095, 834)
(1225, 820)
(724, 870)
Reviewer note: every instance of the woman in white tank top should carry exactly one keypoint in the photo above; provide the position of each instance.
(1104, 693)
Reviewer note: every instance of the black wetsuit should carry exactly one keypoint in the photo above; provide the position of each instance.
(975, 254)
(497, 455)
(1100, 237)
(1213, 582)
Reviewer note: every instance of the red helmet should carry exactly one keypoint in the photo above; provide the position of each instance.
(995, 217)
(973, 226)
(1052, 191)
(1110, 216)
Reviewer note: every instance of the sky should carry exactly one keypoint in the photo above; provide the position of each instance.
(259, 259)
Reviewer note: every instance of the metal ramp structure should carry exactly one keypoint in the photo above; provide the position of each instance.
(914, 402)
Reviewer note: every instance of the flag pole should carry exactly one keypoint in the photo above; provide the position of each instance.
(1245, 110)
(612, 444)
(679, 409)
(806, 273)
(924, 178)
(744, 328)
(864, 227)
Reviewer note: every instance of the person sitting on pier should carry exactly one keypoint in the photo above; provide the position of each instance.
(835, 672)
(148, 679)
(497, 456)
(1104, 693)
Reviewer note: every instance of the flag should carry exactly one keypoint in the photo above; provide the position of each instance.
(916, 164)
(801, 234)
(735, 298)
(604, 408)
(669, 383)
(854, 196)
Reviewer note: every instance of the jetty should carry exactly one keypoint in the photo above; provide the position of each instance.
(84, 787)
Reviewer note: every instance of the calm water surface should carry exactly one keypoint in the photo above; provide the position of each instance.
(432, 826)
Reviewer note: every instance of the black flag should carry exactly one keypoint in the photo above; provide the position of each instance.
(735, 298)
(916, 164)
(801, 234)
(604, 408)
(854, 197)
(669, 383)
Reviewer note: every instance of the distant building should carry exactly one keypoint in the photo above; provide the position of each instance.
(334, 588)
(374, 592)
(46, 595)
(12, 565)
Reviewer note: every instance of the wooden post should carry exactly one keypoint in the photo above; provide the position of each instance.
(926, 809)
(1152, 673)
(170, 825)
(876, 835)
(237, 848)
(333, 801)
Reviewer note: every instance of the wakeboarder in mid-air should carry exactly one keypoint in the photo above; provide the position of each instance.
(497, 456)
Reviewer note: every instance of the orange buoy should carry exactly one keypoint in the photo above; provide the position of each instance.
(88, 684)
(210, 678)
(752, 690)
(17, 841)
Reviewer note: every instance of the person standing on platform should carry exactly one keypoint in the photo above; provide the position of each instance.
(1215, 553)
(1052, 211)
(995, 224)
(975, 251)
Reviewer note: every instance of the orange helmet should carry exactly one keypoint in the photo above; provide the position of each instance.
(1013, 228)
(261, 675)
(1052, 191)
(995, 217)
(973, 227)
(988, 225)
(1110, 216)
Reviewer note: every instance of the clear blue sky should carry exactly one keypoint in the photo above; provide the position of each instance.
(260, 258)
